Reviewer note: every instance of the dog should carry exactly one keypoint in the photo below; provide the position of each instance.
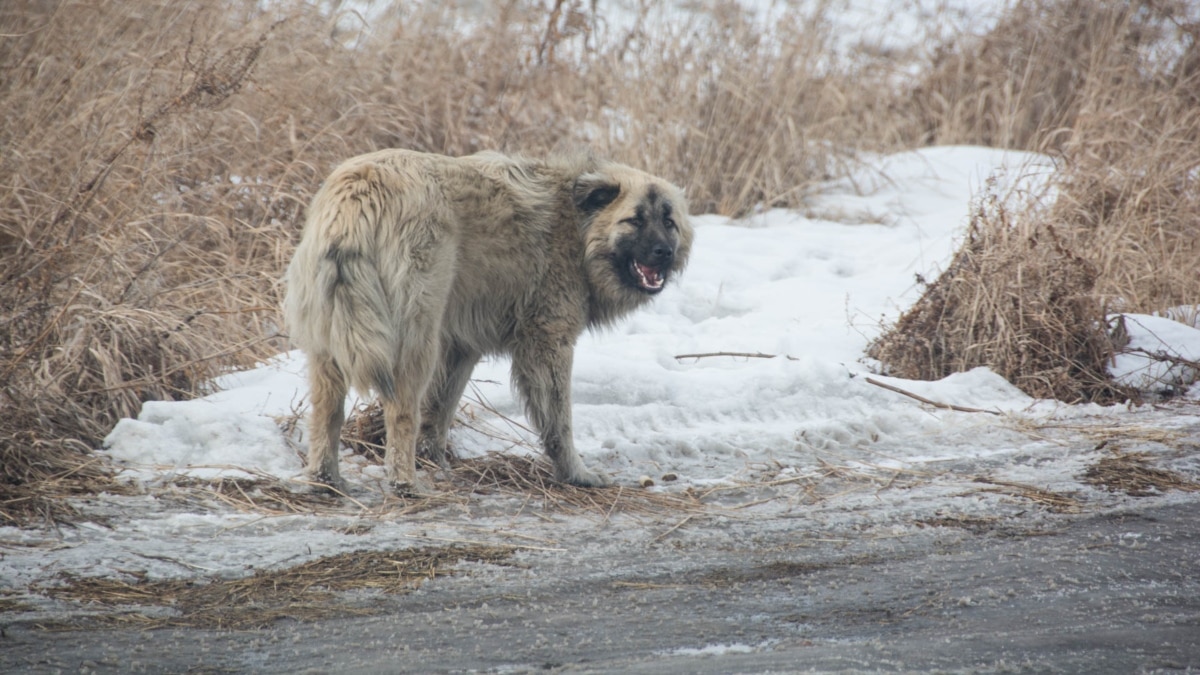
(413, 266)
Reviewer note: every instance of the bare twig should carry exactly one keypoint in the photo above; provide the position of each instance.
(673, 528)
(745, 355)
(1161, 355)
(922, 399)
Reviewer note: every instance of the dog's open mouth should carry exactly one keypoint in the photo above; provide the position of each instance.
(649, 279)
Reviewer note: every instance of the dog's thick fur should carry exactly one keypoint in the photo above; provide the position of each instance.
(413, 266)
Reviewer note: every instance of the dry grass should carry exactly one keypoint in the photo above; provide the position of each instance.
(302, 593)
(1014, 298)
(1054, 501)
(520, 476)
(1132, 473)
(525, 477)
(262, 494)
(1025, 82)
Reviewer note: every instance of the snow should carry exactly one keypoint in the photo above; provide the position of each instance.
(1150, 337)
(746, 370)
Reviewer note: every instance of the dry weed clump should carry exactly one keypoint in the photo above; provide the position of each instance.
(1109, 89)
(115, 288)
(1013, 298)
(1132, 473)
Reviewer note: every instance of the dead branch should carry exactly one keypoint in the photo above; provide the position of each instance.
(746, 355)
(936, 404)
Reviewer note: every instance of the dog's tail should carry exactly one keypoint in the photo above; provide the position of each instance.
(360, 339)
(336, 300)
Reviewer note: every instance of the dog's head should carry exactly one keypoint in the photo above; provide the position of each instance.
(636, 227)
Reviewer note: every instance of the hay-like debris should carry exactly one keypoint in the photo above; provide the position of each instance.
(262, 494)
(1055, 501)
(304, 592)
(518, 476)
(527, 477)
(38, 478)
(1132, 474)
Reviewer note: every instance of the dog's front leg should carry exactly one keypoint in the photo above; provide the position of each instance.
(542, 372)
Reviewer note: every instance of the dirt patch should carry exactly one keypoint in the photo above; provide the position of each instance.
(782, 570)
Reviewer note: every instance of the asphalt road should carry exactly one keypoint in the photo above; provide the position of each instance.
(1111, 593)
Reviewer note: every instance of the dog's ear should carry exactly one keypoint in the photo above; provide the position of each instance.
(594, 191)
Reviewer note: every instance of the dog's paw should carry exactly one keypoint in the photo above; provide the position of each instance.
(437, 453)
(414, 488)
(586, 478)
(323, 483)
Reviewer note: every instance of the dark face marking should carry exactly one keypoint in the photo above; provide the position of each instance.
(645, 255)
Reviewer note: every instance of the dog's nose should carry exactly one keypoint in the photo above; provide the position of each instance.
(661, 254)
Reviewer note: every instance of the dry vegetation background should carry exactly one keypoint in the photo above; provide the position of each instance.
(156, 158)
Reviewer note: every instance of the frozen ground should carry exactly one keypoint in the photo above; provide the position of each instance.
(844, 525)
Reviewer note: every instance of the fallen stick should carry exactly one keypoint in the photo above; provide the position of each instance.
(744, 355)
(676, 527)
(936, 404)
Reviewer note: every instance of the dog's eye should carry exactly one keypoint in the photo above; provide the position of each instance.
(670, 224)
(635, 222)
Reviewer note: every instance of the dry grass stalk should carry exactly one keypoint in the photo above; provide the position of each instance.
(1055, 501)
(926, 401)
(1132, 474)
(303, 592)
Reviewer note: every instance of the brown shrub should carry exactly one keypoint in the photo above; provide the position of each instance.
(1015, 299)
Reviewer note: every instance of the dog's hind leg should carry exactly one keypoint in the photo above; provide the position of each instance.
(402, 411)
(424, 292)
(442, 400)
(328, 398)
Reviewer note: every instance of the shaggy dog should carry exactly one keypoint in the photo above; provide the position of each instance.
(412, 266)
